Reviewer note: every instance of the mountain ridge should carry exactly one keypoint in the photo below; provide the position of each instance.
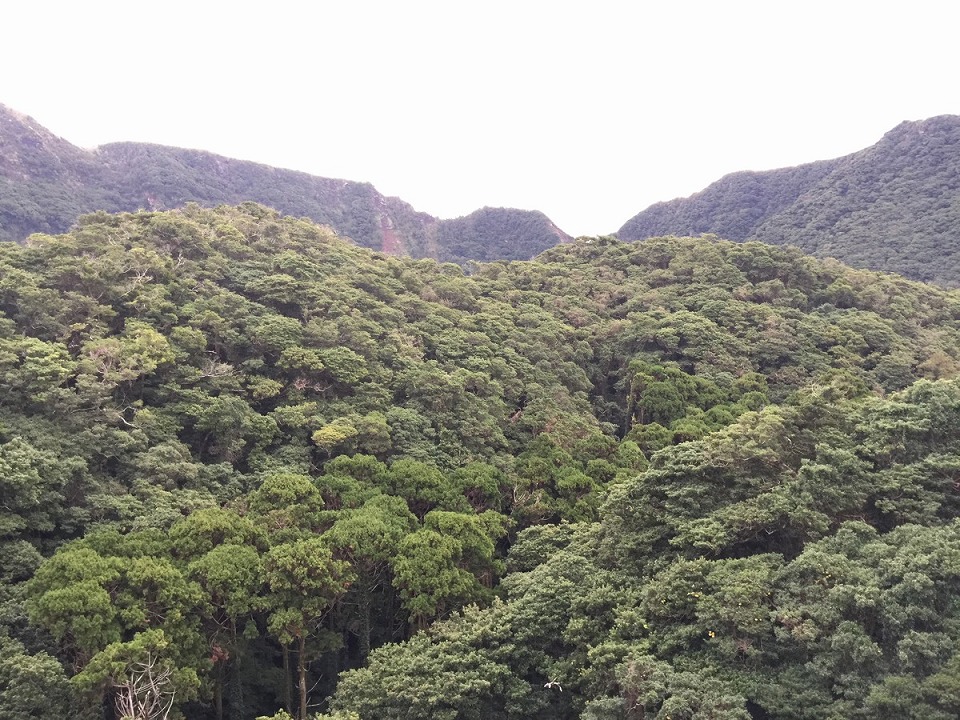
(49, 183)
(894, 206)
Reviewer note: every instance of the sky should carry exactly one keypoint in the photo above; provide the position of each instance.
(587, 112)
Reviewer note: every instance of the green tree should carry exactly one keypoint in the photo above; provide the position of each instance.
(304, 582)
(368, 538)
(33, 685)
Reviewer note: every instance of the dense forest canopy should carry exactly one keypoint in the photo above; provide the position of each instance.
(894, 206)
(254, 468)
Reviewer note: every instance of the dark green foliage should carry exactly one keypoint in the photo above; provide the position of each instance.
(893, 206)
(243, 449)
(497, 234)
(733, 207)
(46, 184)
(158, 177)
(32, 686)
(756, 573)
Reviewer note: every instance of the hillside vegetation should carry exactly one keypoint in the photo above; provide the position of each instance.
(46, 184)
(676, 478)
(894, 206)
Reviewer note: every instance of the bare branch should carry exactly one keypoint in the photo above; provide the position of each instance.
(146, 694)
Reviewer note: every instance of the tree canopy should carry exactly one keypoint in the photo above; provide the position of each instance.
(676, 478)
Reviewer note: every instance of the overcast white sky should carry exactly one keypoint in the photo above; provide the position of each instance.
(588, 112)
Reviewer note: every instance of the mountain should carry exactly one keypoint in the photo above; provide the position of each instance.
(497, 234)
(46, 183)
(894, 206)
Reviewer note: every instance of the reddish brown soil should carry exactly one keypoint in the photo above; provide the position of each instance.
(391, 241)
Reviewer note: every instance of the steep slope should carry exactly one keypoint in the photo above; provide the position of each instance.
(733, 207)
(158, 178)
(47, 183)
(894, 206)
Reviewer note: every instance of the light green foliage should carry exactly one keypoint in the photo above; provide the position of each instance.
(368, 538)
(422, 486)
(205, 530)
(304, 581)
(494, 662)
(149, 654)
(286, 505)
(35, 368)
(370, 534)
(231, 575)
(70, 599)
(428, 575)
(137, 352)
(111, 599)
(333, 434)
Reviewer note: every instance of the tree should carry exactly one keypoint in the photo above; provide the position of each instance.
(31, 484)
(32, 686)
(231, 577)
(142, 677)
(304, 582)
(454, 672)
(368, 538)
(111, 598)
(427, 575)
(287, 505)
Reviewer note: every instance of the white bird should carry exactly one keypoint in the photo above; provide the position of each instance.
(553, 683)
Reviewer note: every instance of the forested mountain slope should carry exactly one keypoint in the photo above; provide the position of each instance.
(894, 206)
(678, 476)
(732, 208)
(46, 183)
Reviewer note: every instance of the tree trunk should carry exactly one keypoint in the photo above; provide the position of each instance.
(302, 671)
(218, 692)
(287, 697)
(365, 603)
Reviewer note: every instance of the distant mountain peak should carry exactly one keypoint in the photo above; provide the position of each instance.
(28, 150)
(894, 206)
(52, 182)
(8, 114)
